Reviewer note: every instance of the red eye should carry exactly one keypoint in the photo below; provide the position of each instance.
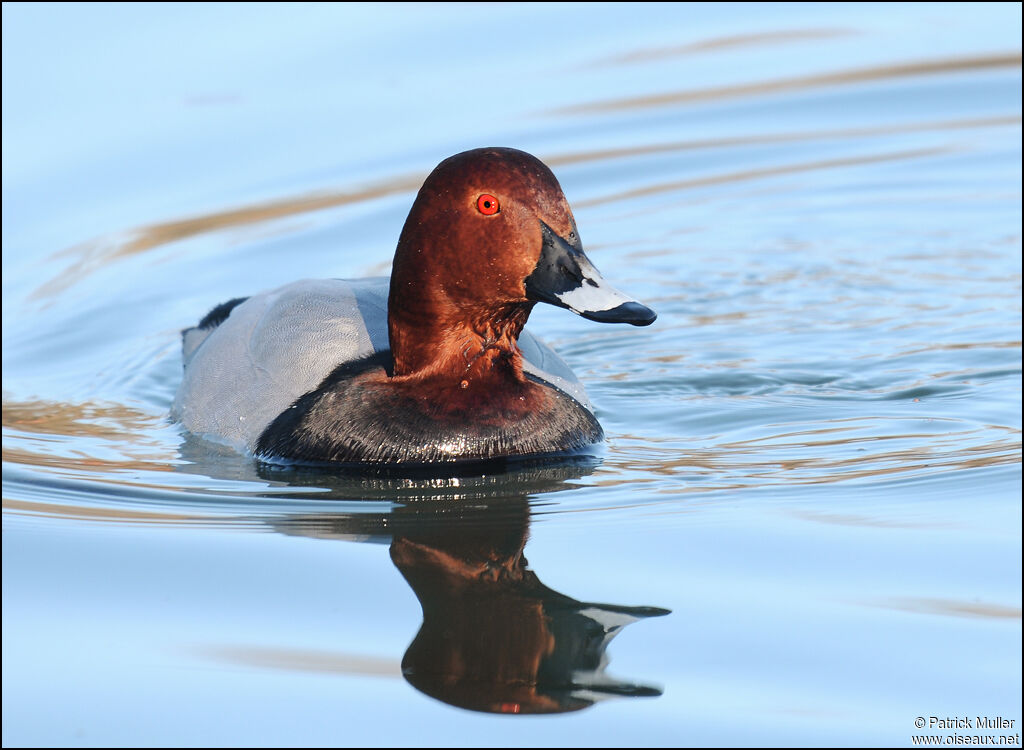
(487, 205)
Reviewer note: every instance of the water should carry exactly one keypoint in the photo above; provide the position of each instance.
(813, 457)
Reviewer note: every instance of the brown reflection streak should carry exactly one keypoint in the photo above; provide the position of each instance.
(80, 462)
(87, 513)
(742, 457)
(775, 138)
(755, 174)
(120, 422)
(304, 660)
(728, 42)
(91, 256)
(950, 607)
(856, 520)
(47, 422)
(841, 78)
(938, 347)
(773, 443)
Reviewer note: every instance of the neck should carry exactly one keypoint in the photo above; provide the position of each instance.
(460, 344)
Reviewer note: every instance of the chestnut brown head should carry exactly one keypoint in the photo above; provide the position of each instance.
(491, 233)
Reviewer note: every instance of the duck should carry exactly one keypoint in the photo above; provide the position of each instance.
(430, 366)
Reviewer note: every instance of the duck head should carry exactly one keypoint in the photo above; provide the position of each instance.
(489, 235)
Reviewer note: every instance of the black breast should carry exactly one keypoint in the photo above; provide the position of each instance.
(357, 417)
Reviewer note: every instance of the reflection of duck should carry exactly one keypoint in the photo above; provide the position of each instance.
(494, 638)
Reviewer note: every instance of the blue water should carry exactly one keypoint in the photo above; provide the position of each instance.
(813, 457)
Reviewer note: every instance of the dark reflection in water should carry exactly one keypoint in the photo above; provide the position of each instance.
(494, 638)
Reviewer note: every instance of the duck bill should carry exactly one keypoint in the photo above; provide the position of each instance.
(564, 276)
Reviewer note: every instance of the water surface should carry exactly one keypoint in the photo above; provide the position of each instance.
(804, 527)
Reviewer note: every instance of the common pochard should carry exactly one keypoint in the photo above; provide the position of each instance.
(432, 366)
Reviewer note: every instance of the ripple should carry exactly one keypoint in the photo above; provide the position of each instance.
(90, 256)
(747, 175)
(836, 451)
(950, 607)
(818, 80)
(760, 139)
(741, 41)
(303, 660)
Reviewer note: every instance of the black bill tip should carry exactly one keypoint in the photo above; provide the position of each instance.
(628, 312)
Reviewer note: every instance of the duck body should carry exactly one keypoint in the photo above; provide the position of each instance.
(300, 373)
(431, 366)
